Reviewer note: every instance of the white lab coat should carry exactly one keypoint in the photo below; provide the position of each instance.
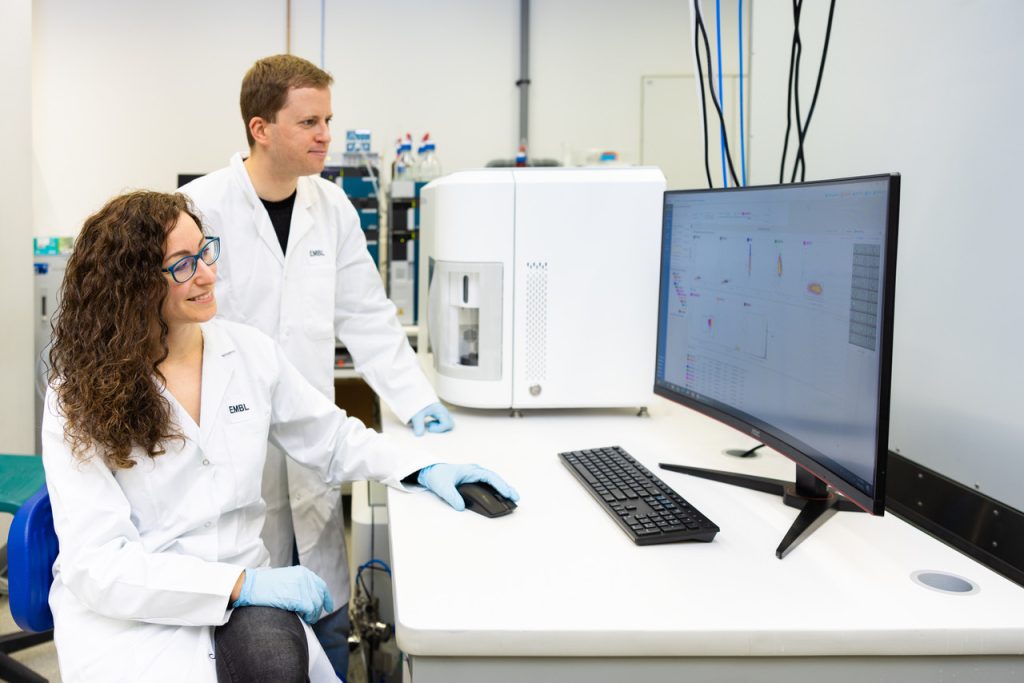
(327, 285)
(149, 555)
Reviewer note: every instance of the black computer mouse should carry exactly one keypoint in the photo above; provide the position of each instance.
(483, 499)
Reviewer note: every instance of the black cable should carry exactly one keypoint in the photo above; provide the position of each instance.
(362, 583)
(797, 4)
(703, 102)
(793, 58)
(718, 109)
(814, 99)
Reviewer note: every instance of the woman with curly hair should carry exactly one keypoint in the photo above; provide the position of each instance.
(154, 439)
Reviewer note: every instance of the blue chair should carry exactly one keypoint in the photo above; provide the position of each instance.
(31, 551)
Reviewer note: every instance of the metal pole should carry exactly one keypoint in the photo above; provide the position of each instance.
(524, 70)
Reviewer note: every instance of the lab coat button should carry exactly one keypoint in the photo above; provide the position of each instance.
(205, 461)
(208, 525)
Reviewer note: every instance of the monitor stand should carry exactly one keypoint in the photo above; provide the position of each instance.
(815, 500)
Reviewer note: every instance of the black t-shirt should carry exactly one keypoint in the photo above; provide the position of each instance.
(281, 217)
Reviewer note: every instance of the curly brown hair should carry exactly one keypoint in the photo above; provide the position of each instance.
(109, 337)
(265, 86)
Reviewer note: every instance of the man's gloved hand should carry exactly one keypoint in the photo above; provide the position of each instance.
(433, 418)
(295, 589)
(442, 478)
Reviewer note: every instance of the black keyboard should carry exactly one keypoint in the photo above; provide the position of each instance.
(646, 508)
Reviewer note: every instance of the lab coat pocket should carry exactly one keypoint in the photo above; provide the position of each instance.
(246, 441)
(318, 322)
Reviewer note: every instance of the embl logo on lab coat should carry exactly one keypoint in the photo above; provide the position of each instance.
(313, 253)
(238, 408)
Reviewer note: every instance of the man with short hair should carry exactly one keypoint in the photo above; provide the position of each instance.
(295, 265)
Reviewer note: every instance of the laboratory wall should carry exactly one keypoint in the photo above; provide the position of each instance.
(17, 423)
(130, 95)
(929, 90)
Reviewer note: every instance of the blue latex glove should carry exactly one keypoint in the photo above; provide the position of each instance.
(442, 478)
(295, 589)
(433, 418)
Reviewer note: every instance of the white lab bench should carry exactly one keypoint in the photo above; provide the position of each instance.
(557, 592)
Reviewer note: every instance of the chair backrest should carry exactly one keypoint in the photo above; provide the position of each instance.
(31, 551)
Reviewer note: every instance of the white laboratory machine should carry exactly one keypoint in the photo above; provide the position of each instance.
(542, 286)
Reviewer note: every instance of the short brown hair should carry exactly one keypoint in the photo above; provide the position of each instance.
(266, 85)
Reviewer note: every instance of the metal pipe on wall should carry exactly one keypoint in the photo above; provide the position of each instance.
(288, 27)
(524, 70)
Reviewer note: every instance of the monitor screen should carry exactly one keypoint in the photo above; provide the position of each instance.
(775, 317)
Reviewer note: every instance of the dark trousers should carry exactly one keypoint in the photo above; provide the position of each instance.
(261, 644)
(332, 632)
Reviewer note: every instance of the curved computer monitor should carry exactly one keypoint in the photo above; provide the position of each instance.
(775, 317)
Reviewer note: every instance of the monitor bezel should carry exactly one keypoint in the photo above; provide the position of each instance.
(774, 437)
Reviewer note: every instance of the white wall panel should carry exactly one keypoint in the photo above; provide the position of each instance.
(128, 95)
(17, 422)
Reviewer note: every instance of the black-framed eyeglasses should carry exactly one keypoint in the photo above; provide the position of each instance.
(184, 268)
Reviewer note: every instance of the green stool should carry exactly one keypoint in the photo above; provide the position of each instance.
(20, 477)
